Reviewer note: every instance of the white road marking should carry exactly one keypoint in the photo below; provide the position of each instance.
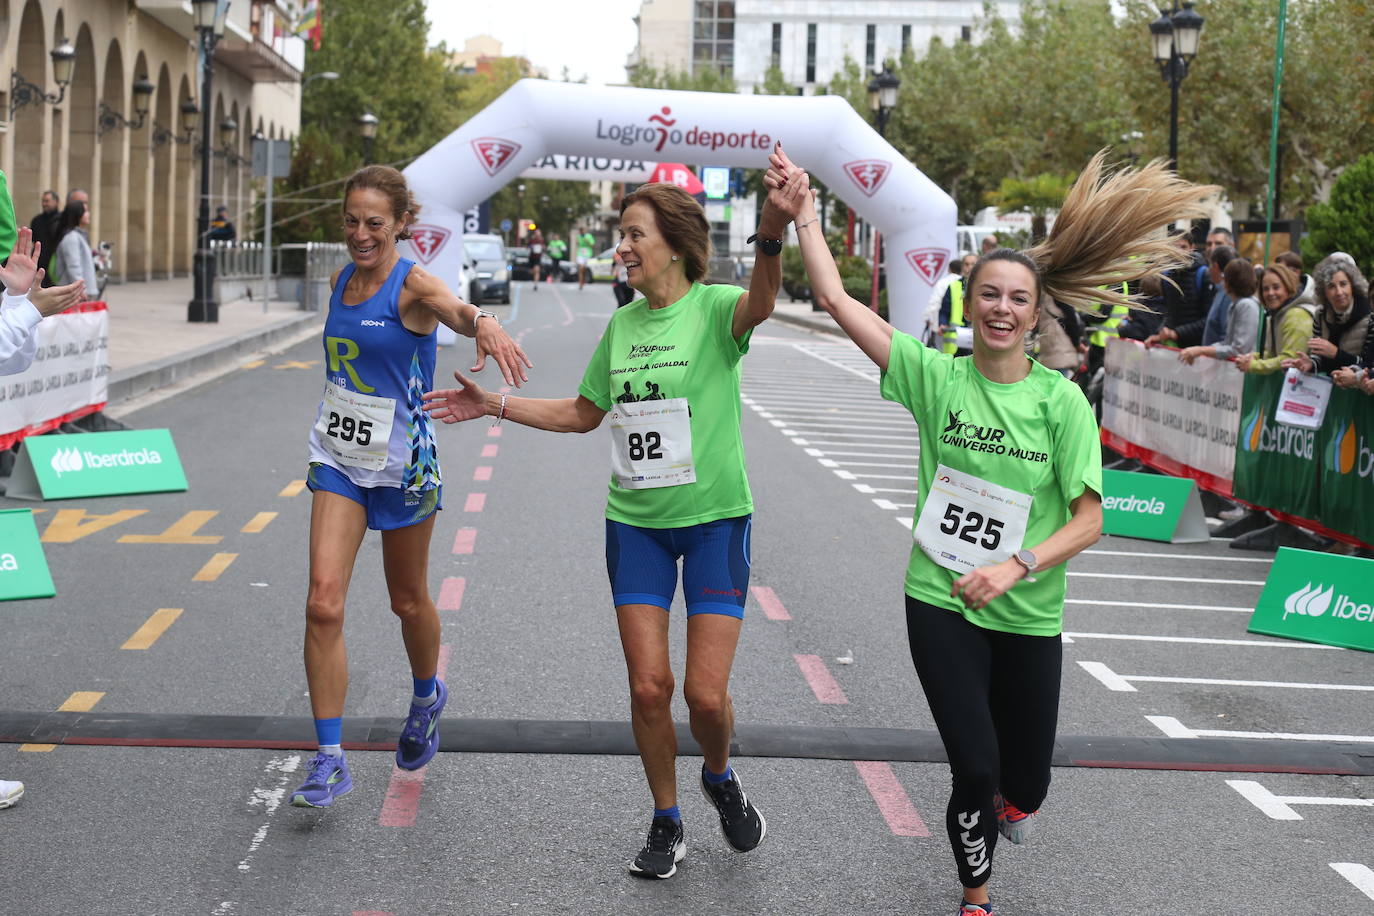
(901, 446)
(1163, 607)
(821, 453)
(270, 799)
(1122, 682)
(1176, 556)
(830, 463)
(1173, 728)
(865, 488)
(1359, 875)
(1279, 807)
(1204, 640)
(891, 506)
(1088, 575)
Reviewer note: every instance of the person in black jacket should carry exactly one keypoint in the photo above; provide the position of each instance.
(1184, 314)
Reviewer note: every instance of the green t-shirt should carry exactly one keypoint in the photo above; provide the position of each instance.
(8, 231)
(586, 245)
(684, 350)
(558, 249)
(1048, 447)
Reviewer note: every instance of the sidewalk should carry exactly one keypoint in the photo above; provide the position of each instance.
(803, 315)
(152, 345)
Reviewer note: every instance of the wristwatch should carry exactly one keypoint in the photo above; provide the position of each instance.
(1026, 559)
(770, 247)
(483, 313)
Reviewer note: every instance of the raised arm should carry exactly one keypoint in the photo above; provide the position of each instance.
(470, 401)
(864, 327)
(464, 318)
(754, 307)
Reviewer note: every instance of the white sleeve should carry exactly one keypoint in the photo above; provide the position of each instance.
(18, 343)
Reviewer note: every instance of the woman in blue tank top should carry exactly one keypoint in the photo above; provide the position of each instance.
(373, 463)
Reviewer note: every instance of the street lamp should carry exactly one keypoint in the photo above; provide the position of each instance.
(1174, 40)
(109, 119)
(882, 98)
(22, 92)
(322, 75)
(367, 129)
(210, 28)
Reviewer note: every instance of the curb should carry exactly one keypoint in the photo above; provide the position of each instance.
(823, 325)
(127, 384)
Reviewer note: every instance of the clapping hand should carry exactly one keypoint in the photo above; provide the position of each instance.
(19, 273)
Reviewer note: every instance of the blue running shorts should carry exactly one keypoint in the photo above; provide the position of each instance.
(387, 507)
(642, 564)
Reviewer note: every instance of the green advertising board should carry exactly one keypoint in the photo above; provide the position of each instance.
(1318, 597)
(1153, 507)
(96, 464)
(23, 568)
(1276, 465)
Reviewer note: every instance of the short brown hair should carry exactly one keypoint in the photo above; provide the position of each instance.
(682, 222)
(392, 184)
(1289, 259)
(1239, 276)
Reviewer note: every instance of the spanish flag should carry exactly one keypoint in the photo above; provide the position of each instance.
(311, 24)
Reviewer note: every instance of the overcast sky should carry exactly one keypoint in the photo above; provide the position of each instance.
(589, 38)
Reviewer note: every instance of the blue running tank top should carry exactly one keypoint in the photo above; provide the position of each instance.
(370, 425)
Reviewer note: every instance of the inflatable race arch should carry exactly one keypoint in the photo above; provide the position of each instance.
(536, 118)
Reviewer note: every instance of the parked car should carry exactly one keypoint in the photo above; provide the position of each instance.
(487, 260)
(603, 266)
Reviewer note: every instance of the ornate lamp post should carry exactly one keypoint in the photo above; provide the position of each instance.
(210, 28)
(23, 92)
(1174, 40)
(367, 129)
(882, 98)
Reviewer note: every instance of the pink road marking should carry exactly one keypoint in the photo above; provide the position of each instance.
(768, 600)
(892, 800)
(476, 502)
(489, 451)
(482, 472)
(402, 802)
(451, 594)
(494, 432)
(818, 676)
(463, 541)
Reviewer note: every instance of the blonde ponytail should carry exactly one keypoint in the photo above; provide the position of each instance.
(1108, 232)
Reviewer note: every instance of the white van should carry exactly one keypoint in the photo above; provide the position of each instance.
(969, 239)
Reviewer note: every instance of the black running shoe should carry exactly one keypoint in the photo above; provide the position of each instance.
(742, 824)
(662, 850)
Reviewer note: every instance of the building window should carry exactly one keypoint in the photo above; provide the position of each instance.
(906, 40)
(870, 47)
(777, 46)
(966, 32)
(811, 52)
(713, 36)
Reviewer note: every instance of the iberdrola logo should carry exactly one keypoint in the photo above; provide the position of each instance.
(1341, 450)
(1251, 430)
(1309, 601)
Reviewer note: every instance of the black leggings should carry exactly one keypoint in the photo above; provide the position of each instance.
(995, 700)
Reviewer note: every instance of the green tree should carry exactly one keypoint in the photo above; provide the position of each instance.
(1345, 223)
(385, 67)
(706, 79)
(1037, 195)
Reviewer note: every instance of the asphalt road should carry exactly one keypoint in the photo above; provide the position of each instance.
(517, 561)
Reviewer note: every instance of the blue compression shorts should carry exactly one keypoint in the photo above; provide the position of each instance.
(642, 564)
(387, 507)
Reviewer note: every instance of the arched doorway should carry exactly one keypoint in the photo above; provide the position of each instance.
(108, 222)
(57, 141)
(81, 119)
(138, 224)
(31, 123)
(163, 129)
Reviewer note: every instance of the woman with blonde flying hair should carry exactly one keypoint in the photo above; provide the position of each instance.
(1010, 486)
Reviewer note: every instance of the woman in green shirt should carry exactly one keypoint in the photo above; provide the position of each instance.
(1010, 487)
(667, 370)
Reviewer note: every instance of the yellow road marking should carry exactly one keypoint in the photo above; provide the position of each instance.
(297, 364)
(81, 701)
(258, 522)
(254, 364)
(182, 531)
(156, 625)
(217, 564)
(74, 524)
(292, 488)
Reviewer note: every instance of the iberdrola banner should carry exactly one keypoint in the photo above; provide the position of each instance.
(1347, 464)
(1276, 465)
